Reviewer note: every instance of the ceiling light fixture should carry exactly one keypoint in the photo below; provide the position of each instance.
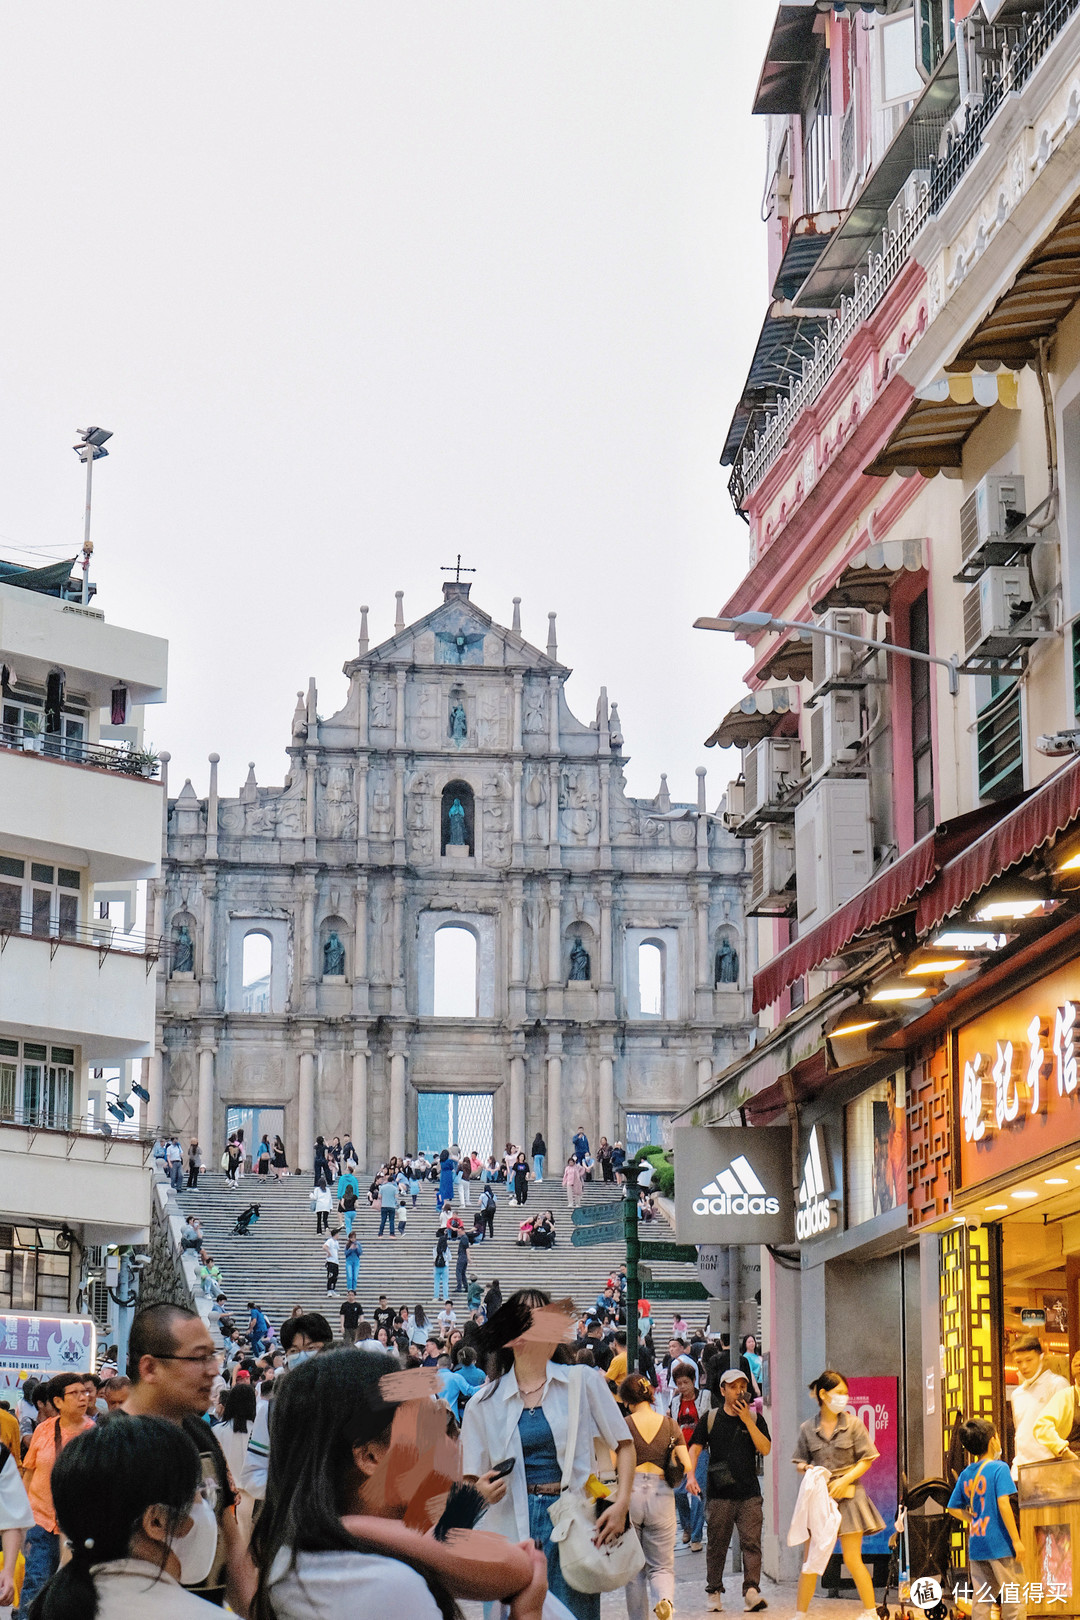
(1056, 1181)
(1024, 1192)
(993, 1209)
(931, 966)
(969, 939)
(859, 1028)
(897, 990)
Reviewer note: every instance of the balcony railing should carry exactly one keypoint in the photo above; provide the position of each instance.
(75, 1125)
(1005, 58)
(96, 935)
(74, 751)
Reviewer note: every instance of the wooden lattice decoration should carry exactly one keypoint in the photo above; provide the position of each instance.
(929, 1121)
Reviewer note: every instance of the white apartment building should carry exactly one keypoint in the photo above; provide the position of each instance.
(80, 843)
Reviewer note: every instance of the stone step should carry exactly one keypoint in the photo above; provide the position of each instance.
(281, 1263)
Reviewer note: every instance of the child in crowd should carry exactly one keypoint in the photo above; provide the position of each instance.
(982, 1499)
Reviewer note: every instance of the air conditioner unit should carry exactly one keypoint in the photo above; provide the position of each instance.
(772, 864)
(833, 660)
(733, 803)
(993, 508)
(769, 768)
(907, 200)
(834, 854)
(998, 599)
(835, 730)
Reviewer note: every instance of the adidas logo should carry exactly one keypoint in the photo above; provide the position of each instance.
(816, 1212)
(736, 1191)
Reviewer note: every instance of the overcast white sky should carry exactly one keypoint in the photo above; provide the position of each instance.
(358, 286)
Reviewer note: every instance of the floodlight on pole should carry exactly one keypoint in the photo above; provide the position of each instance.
(765, 621)
(91, 448)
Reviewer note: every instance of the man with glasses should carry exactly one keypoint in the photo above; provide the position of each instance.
(172, 1365)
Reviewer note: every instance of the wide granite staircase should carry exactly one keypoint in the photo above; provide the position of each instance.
(281, 1264)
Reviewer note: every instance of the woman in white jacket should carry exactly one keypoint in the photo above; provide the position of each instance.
(838, 1441)
(523, 1412)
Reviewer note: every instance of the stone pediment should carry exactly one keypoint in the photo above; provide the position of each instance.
(457, 634)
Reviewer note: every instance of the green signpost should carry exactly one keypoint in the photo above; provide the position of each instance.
(686, 1252)
(597, 1214)
(584, 1237)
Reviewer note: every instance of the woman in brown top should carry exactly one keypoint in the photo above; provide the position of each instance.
(837, 1440)
(652, 1503)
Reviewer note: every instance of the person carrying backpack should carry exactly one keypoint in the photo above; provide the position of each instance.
(441, 1268)
(488, 1205)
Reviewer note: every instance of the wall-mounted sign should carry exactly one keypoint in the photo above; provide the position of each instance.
(815, 1208)
(733, 1184)
(1017, 1078)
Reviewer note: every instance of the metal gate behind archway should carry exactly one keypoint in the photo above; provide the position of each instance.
(462, 1117)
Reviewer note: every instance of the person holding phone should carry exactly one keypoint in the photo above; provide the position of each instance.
(734, 1437)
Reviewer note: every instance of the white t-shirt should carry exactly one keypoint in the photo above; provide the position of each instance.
(15, 1510)
(331, 1250)
(341, 1585)
(130, 1589)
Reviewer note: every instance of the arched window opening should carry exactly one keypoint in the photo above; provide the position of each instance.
(456, 980)
(457, 818)
(255, 972)
(651, 979)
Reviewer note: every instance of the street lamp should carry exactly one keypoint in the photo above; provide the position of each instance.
(765, 621)
(91, 448)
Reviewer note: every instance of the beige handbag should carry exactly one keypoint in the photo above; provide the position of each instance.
(585, 1566)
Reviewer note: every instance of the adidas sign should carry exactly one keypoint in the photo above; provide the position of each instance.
(816, 1212)
(736, 1191)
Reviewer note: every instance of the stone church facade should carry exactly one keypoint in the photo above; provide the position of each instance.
(454, 789)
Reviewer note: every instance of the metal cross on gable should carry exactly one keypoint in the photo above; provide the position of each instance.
(456, 569)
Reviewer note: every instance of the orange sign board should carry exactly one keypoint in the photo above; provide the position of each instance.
(1017, 1074)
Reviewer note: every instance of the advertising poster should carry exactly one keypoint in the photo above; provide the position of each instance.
(876, 1402)
(38, 1346)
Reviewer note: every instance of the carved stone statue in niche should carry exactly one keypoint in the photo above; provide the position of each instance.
(580, 969)
(333, 956)
(458, 724)
(578, 805)
(380, 706)
(336, 815)
(727, 963)
(533, 711)
(457, 823)
(183, 950)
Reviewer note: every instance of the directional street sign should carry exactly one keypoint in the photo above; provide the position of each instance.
(670, 1251)
(597, 1214)
(584, 1236)
(674, 1288)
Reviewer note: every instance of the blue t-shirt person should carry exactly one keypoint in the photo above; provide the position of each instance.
(977, 1490)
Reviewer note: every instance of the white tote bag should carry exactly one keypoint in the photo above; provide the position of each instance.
(585, 1566)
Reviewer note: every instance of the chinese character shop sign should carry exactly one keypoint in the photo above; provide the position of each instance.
(1018, 1078)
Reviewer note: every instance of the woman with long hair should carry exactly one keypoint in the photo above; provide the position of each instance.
(524, 1412)
(278, 1160)
(522, 1176)
(232, 1435)
(657, 1439)
(837, 1440)
(128, 1497)
(342, 1471)
(418, 1333)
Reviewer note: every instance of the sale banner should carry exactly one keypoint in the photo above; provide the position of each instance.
(875, 1402)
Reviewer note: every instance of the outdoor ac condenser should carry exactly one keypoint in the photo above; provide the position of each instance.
(993, 606)
(834, 661)
(835, 730)
(834, 853)
(768, 767)
(993, 508)
(772, 864)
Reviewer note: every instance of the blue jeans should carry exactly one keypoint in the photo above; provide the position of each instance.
(441, 1289)
(582, 1605)
(352, 1272)
(348, 1216)
(538, 1166)
(691, 1509)
(42, 1553)
(387, 1218)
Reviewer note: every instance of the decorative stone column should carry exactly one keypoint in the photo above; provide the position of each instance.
(606, 1096)
(359, 1127)
(556, 1140)
(397, 971)
(605, 813)
(399, 809)
(305, 1125)
(555, 973)
(702, 823)
(397, 1104)
(518, 855)
(360, 779)
(306, 952)
(360, 951)
(212, 810)
(515, 733)
(704, 1074)
(517, 1100)
(155, 1085)
(207, 977)
(311, 760)
(206, 1103)
(399, 709)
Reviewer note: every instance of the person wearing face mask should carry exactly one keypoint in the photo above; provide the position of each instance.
(1042, 1407)
(173, 1365)
(129, 1498)
(301, 1338)
(838, 1441)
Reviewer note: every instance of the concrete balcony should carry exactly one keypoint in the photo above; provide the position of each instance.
(40, 633)
(97, 997)
(79, 815)
(98, 1184)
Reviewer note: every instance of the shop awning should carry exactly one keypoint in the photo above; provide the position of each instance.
(1014, 837)
(808, 240)
(784, 342)
(933, 432)
(887, 895)
(866, 580)
(757, 715)
(792, 659)
(791, 58)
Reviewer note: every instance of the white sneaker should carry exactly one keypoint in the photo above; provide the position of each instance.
(712, 1601)
(754, 1601)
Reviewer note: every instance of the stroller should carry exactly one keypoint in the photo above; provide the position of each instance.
(921, 1545)
(245, 1221)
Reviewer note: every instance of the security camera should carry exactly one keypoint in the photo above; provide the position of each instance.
(1059, 742)
(139, 1262)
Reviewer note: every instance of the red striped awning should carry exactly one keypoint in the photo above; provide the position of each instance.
(1014, 837)
(887, 895)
